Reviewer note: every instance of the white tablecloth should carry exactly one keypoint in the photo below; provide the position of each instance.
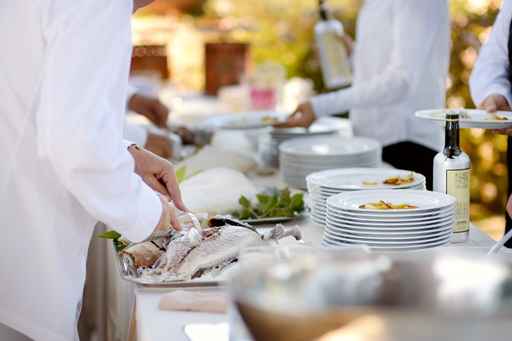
(153, 324)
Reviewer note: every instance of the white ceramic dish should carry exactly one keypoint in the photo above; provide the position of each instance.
(329, 146)
(341, 221)
(359, 179)
(244, 121)
(476, 119)
(391, 239)
(424, 200)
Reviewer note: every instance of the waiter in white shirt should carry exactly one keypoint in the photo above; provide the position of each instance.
(64, 166)
(401, 61)
(491, 82)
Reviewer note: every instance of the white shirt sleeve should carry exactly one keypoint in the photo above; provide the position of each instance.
(412, 33)
(491, 72)
(82, 111)
(130, 91)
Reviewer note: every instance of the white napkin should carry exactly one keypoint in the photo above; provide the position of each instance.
(216, 191)
(193, 301)
(210, 157)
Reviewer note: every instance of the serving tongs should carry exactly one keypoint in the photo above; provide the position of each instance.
(217, 221)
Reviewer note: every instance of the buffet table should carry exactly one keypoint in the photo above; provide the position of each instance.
(149, 323)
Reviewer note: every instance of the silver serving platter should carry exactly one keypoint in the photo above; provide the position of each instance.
(126, 272)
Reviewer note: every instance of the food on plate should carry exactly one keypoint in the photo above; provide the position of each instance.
(269, 120)
(370, 183)
(382, 205)
(398, 180)
(272, 204)
(205, 247)
(492, 116)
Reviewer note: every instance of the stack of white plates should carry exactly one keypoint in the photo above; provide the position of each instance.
(322, 185)
(268, 144)
(426, 226)
(300, 157)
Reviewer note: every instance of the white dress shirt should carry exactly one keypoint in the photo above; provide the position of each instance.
(401, 61)
(491, 72)
(63, 79)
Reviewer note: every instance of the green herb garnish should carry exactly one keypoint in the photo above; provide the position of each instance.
(119, 243)
(277, 204)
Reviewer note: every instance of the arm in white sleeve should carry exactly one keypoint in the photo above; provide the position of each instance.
(413, 33)
(81, 113)
(491, 72)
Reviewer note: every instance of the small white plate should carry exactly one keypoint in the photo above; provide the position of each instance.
(424, 201)
(355, 179)
(477, 118)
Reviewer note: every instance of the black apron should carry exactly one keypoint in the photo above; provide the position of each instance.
(508, 225)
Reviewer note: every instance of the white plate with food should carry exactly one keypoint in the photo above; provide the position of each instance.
(393, 216)
(364, 179)
(471, 118)
(247, 120)
(386, 202)
(391, 220)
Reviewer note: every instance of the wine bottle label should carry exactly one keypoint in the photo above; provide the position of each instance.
(457, 185)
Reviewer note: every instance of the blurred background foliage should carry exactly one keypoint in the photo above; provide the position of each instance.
(284, 34)
(282, 31)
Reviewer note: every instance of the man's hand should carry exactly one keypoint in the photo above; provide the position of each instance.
(303, 116)
(348, 42)
(151, 108)
(159, 145)
(158, 174)
(168, 218)
(495, 103)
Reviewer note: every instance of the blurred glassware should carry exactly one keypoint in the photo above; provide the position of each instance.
(314, 295)
(266, 84)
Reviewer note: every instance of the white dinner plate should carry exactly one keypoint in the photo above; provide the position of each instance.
(425, 201)
(341, 221)
(247, 120)
(402, 216)
(439, 225)
(384, 240)
(475, 119)
(331, 244)
(388, 234)
(365, 219)
(329, 146)
(361, 179)
(373, 243)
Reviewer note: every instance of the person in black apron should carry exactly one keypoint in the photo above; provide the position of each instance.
(491, 82)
